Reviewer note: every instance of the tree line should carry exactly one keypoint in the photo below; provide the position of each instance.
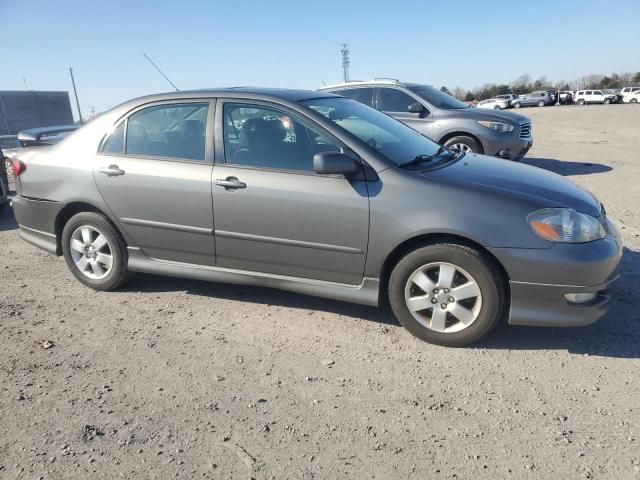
(525, 84)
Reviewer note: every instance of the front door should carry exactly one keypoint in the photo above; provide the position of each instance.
(395, 102)
(154, 174)
(272, 213)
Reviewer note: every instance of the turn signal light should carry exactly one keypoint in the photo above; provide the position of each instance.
(18, 168)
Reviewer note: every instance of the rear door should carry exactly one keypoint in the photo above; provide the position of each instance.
(273, 213)
(154, 173)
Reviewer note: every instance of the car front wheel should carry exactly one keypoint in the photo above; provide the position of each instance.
(581, 101)
(447, 294)
(95, 251)
(541, 103)
(464, 144)
(517, 105)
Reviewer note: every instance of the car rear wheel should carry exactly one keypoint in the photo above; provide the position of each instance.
(581, 101)
(517, 105)
(447, 294)
(464, 144)
(633, 100)
(541, 103)
(95, 251)
(497, 107)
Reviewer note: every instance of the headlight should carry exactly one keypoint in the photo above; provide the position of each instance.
(565, 225)
(497, 126)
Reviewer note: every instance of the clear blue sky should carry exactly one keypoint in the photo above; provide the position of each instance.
(297, 43)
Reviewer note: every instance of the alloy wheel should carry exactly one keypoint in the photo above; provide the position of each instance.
(91, 252)
(443, 297)
(463, 147)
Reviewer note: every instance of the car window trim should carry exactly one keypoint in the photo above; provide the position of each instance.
(209, 132)
(219, 150)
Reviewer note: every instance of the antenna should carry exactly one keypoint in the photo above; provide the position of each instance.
(345, 61)
(161, 73)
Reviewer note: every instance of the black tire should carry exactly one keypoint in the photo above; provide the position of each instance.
(607, 101)
(633, 100)
(470, 142)
(497, 107)
(541, 103)
(482, 269)
(517, 105)
(581, 102)
(118, 274)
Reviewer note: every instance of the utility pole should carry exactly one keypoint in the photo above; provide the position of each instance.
(345, 62)
(75, 92)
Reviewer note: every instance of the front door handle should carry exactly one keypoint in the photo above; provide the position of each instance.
(112, 171)
(230, 183)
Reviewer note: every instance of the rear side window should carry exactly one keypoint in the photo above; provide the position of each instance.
(164, 131)
(394, 100)
(362, 95)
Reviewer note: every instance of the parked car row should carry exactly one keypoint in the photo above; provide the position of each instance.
(543, 98)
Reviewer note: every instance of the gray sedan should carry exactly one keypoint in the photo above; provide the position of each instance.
(318, 194)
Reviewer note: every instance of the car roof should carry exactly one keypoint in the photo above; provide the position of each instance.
(257, 93)
(375, 81)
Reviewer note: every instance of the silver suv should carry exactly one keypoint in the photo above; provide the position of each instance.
(443, 118)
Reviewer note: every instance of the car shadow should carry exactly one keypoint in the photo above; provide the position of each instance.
(617, 335)
(7, 220)
(566, 168)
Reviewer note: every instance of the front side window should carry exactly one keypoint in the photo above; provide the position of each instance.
(394, 100)
(392, 139)
(266, 137)
(165, 131)
(589, 92)
(362, 95)
(437, 98)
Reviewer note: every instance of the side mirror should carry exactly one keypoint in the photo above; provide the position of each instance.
(416, 107)
(334, 163)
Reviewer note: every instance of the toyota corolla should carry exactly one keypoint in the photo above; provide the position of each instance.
(318, 194)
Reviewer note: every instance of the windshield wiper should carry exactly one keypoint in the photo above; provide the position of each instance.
(426, 158)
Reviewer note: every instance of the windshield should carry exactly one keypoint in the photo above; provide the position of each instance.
(437, 98)
(393, 139)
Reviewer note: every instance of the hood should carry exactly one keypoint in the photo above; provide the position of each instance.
(519, 180)
(487, 114)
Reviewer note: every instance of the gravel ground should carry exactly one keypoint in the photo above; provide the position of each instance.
(170, 378)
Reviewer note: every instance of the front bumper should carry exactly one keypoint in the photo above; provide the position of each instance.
(510, 147)
(540, 279)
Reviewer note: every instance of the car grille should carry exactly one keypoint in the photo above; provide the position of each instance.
(525, 130)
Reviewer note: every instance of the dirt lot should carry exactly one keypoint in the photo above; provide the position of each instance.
(183, 379)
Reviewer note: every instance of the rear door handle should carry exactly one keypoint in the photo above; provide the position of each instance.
(230, 183)
(112, 171)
